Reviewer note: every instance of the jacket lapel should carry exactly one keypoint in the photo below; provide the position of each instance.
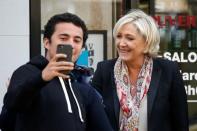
(115, 98)
(156, 74)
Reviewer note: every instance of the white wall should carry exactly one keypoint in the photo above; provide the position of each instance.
(14, 39)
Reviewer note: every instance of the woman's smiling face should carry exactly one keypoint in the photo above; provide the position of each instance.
(130, 43)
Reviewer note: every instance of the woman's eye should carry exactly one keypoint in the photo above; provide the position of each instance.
(118, 36)
(130, 38)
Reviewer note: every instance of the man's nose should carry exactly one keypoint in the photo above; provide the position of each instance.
(70, 42)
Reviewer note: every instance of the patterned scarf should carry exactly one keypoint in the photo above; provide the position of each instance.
(130, 96)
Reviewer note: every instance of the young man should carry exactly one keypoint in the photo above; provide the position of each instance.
(46, 99)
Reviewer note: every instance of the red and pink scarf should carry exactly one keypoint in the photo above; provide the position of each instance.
(130, 96)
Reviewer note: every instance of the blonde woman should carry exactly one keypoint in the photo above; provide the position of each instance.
(140, 91)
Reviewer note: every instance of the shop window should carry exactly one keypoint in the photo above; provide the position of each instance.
(177, 20)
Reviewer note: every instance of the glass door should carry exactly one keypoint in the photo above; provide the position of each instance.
(177, 21)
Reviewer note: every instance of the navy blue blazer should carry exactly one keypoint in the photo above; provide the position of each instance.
(166, 99)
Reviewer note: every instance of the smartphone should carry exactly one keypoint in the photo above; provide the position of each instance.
(65, 49)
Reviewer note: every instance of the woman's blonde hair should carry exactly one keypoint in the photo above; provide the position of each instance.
(145, 25)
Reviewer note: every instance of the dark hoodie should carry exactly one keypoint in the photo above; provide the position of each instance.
(42, 106)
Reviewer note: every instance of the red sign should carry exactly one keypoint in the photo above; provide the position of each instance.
(180, 21)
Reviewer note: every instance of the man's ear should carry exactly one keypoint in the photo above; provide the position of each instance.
(46, 43)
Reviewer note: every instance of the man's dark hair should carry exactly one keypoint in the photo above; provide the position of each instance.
(49, 28)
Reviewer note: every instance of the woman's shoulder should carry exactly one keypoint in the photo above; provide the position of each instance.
(165, 63)
(110, 62)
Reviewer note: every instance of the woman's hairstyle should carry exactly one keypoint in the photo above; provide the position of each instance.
(145, 25)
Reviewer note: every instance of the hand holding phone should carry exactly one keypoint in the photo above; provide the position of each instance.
(67, 50)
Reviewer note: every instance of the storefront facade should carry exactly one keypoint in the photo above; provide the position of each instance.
(176, 19)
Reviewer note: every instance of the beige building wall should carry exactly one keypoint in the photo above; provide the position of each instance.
(96, 13)
(14, 39)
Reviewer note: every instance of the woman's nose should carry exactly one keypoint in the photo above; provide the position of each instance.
(122, 42)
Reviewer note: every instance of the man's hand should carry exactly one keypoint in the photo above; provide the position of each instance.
(55, 67)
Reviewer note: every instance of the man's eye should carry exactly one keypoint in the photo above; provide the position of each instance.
(78, 40)
(63, 38)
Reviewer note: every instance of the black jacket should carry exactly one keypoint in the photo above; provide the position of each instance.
(166, 99)
(41, 106)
